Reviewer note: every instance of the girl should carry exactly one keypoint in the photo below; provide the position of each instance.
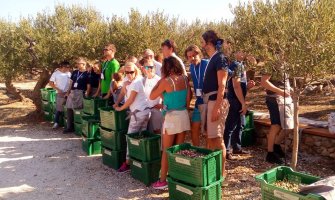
(115, 87)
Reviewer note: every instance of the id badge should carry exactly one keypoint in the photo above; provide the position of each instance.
(102, 76)
(75, 85)
(198, 92)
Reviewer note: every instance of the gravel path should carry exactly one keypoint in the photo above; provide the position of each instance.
(39, 163)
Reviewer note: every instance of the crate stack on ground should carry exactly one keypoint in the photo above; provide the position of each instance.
(248, 133)
(198, 177)
(113, 130)
(48, 103)
(290, 179)
(145, 156)
(90, 121)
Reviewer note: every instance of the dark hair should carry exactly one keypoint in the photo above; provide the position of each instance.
(212, 37)
(193, 48)
(171, 65)
(117, 76)
(64, 63)
(170, 43)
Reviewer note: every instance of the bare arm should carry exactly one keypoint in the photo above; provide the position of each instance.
(52, 84)
(158, 90)
(222, 78)
(98, 90)
(121, 96)
(129, 101)
(239, 93)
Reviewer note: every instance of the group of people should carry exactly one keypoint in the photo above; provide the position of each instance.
(158, 96)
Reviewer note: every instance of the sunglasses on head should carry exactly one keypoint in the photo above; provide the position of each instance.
(129, 72)
(149, 67)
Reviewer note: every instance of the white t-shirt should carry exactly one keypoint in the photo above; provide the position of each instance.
(149, 85)
(61, 80)
(181, 62)
(141, 101)
(158, 67)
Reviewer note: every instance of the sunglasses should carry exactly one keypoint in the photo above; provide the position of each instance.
(106, 49)
(149, 67)
(129, 72)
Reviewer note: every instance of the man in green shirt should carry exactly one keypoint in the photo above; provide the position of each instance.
(108, 68)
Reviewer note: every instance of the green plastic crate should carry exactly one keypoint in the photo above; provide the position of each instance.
(182, 191)
(77, 128)
(48, 116)
(248, 137)
(249, 120)
(77, 114)
(272, 192)
(65, 122)
(196, 171)
(115, 140)
(90, 127)
(113, 120)
(146, 172)
(91, 146)
(92, 105)
(48, 106)
(48, 94)
(113, 159)
(145, 149)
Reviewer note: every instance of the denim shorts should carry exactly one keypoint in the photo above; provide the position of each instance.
(272, 105)
(196, 116)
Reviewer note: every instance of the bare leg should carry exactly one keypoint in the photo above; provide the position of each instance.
(274, 130)
(167, 142)
(195, 134)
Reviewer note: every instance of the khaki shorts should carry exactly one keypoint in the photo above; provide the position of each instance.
(176, 122)
(216, 129)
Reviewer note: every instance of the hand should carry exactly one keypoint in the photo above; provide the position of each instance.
(251, 84)
(244, 109)
(114, 106)
(284, 94)
(59, 91)
(215, 114)
(86, 94)
(118, 108)
(158, 106)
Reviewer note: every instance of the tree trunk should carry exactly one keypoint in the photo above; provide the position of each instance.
(41, 83)
(12, 91)
(296, 126)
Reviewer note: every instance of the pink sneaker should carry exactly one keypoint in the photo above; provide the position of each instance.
(160, 185)
(124, 167)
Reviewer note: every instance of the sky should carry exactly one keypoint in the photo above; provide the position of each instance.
(189, 10)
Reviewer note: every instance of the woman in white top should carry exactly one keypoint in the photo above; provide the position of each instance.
(149, 82)
(136, 101)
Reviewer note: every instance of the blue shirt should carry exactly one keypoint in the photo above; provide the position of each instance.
(81, 78)
(197, 74)
(217, 62)
(237, 70)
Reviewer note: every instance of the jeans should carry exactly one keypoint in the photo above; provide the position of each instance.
(234, 126)
(58, 115)
(70, 119)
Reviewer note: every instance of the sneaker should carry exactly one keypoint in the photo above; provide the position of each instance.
(241, 152)
(160, 185)
(278, 150)
(124, 167)
(273, 158)
(55, 126)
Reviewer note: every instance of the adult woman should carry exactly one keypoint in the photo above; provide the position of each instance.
(79, 83)
(136, 101)
(93, 88)
(197, 69)
(176, 94)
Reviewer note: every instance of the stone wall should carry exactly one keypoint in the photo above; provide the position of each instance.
(311, 144)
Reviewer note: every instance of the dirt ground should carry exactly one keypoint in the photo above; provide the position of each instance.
(37, 162)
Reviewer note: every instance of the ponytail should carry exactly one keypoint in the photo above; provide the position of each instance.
(218, 45)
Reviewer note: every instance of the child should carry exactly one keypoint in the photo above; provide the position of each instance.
(115, 87)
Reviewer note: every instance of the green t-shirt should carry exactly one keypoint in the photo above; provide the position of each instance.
(108, 69)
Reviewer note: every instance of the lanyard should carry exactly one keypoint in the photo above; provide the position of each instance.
(208, 64)
(195, 73)
(105, 66)
(79, 76)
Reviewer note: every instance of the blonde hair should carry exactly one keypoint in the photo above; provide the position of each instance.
(136, 69)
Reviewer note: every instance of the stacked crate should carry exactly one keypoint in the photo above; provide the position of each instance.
(248, 133)
(113, 130)
(194, 178)
(48, 103)
(145, 156)
(89, 118)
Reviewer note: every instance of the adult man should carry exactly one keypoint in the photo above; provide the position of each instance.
(215, 78)
(149, 54)
(109, 67)
(169, 49)
(60, 81)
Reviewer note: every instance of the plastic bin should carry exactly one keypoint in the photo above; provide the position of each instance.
(77, 114)
(200, 171)
(90, 127)
(249, 120)
(92, 105)
(146, 148)
(182, 191)
(113, 120)
(91, 146)
(146, 172)
(115, 140)
(113, 159)
(48, 116)
(248, 137)
(272, 192)
(77, 128)
(48, 106)
(48, 94)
